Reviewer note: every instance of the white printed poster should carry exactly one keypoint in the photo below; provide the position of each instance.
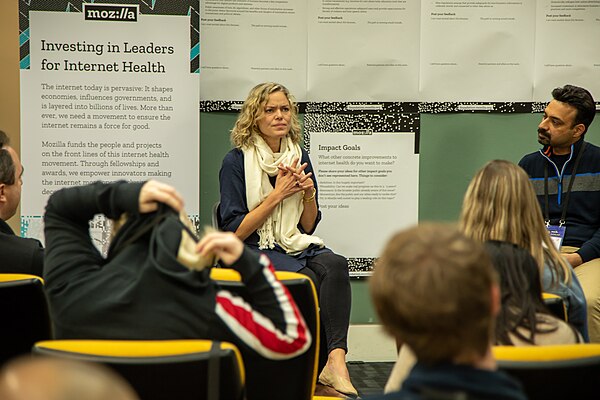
(108, 93)
(246, 43)
(396, 50)
(368, 188)
(566, 37)
(363, 50)
(366, 163)
(477, 50)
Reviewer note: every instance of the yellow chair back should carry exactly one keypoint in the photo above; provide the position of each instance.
(553, 372)
(162, 369)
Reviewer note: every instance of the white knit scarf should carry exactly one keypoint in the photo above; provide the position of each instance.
(281, 226)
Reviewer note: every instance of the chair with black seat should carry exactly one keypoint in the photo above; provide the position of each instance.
(553, 372)
(162, 369)
(292, 379)
(556, 306)
(25, 315)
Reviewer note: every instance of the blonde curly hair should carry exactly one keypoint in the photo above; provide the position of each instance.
(246, 125)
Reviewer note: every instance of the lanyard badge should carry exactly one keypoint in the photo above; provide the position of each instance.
(557, 234)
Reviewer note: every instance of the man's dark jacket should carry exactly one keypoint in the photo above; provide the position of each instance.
(19, 255)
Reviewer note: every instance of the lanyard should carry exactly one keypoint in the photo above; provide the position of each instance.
(567, 195)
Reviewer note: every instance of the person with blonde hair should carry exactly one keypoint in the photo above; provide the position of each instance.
(500, 204)
(269, 198)
(435, 290)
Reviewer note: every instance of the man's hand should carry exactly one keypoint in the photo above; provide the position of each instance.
(574, 259)
(154, 192)
(225, 245)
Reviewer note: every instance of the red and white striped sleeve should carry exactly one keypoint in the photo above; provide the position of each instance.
(258, 330)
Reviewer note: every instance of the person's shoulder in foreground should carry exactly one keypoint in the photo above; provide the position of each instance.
(452, 381)
(449, 330)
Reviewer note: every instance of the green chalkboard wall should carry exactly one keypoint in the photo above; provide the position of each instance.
(453, 146)
(214, 144)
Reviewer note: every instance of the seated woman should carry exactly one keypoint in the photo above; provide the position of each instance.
(523, 319)
(500, 204)
(269, 198)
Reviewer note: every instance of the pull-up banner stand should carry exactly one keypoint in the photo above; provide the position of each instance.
(108, 92)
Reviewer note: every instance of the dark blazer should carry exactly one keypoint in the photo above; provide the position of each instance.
(19, 255)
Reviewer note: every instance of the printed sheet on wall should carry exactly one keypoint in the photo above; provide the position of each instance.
(366, 161)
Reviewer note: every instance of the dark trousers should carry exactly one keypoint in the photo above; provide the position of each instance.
(329, 272)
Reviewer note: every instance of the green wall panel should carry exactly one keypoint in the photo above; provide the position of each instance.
(454, 146)
(214, 144)
(362, 308)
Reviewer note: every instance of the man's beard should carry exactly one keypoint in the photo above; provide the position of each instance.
(543, 137)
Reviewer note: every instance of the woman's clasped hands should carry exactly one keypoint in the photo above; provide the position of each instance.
(291, 179)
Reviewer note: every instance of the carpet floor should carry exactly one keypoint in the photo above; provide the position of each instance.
(369, 378)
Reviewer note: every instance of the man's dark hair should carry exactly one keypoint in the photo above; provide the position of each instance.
(7, 165)
(579, 98)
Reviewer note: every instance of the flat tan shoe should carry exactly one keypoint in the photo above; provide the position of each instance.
(339, 383)
(328, 391)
